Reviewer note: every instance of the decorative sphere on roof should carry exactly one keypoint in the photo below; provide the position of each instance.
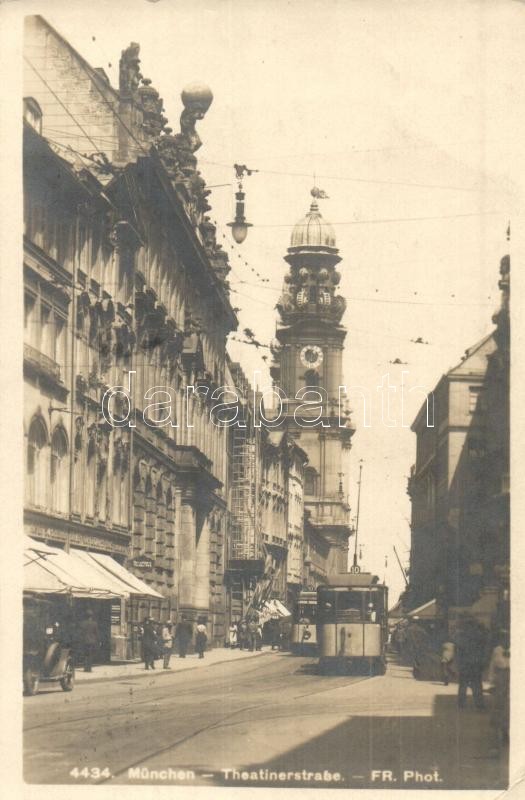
(313, 230)
(197, 96)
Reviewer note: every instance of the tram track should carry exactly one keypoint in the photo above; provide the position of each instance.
(165, 693)
(223, 723)
(139, 730)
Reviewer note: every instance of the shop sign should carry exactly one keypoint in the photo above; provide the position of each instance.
(142, 562)
(116, 613)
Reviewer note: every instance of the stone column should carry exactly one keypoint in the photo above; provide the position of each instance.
(202, 567)
(177, 542)
(187, 550)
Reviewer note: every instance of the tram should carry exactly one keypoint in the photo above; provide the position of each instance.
(352, 622)
(303, 637)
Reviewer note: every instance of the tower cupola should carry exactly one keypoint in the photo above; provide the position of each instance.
(312, 232)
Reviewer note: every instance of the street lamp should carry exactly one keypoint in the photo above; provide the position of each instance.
(239, 225)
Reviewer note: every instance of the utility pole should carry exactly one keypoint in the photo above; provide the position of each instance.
(401, 566)
(357, 513)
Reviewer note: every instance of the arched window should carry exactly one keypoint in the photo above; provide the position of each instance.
(311, 378)
(91, 480)
(33, 113)
(36, 462)
(170, 536)
(310, 482)
(59, 470)
(431, 491)
(150, 518)
(160, 523)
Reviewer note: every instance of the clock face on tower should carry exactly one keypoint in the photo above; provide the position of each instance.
(311, 355)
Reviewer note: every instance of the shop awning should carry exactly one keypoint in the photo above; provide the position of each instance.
(426, 611)
(50, 570)
(54, 571)
(275, 606)
(36, 546)
(116, 574)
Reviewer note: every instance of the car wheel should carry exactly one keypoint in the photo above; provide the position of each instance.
(30, 682)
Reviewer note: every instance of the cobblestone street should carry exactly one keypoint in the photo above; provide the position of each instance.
(259, 720)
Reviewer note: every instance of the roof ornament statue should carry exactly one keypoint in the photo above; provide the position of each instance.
(197, 99)
(129, 71)
(319, 194)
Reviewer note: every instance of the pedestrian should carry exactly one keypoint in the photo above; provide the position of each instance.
(305, 638)
(149, 643)
(89, 638)
(470, 659)
(183, 635)
(252, 634)
(418, 647)
(232, 635)
(275, 634)
(499, 677)
(447, 658)
(259, 637)
(243, 635)
(167, 644)
(201, 639)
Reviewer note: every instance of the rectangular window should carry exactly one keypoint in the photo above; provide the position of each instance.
(47, 336)
(125, 277)
(473, 398)
(60, 340)
(29, 317)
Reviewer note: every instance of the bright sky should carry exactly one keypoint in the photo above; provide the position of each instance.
(404, 113)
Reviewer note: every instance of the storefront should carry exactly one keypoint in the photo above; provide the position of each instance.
(79, 581)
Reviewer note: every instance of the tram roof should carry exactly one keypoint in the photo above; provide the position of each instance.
(350, 579)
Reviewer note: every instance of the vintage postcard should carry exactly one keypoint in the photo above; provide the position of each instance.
(261, 296)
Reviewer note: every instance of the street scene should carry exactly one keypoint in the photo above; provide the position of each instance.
(266, 415)
(261, 720)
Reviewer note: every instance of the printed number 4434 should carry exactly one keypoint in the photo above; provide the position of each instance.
(90, 772)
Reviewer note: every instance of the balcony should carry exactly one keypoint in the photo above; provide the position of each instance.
(41, 364)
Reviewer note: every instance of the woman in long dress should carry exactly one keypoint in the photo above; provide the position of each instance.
(232, 635)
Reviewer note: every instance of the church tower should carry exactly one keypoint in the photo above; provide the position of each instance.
(307, 366)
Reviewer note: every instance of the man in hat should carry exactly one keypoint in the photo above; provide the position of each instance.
(89, 638)
(471, 643)
(149, 643)
(183, 636)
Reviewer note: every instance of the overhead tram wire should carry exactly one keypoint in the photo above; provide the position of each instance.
(104, 98)
(395, 219)
(352, 179)
(68, 112)
(389, 300)
(283, 225)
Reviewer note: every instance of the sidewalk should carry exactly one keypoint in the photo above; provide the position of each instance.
(135, 669)
(434, 731)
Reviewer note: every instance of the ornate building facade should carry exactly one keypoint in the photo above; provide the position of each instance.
(125, 286)
(266, 544)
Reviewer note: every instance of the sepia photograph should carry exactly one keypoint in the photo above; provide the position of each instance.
(265, 419)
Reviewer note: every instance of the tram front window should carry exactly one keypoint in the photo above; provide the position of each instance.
(374, 607)
(350, 607)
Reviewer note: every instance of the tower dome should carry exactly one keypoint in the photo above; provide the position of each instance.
(313, 231)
